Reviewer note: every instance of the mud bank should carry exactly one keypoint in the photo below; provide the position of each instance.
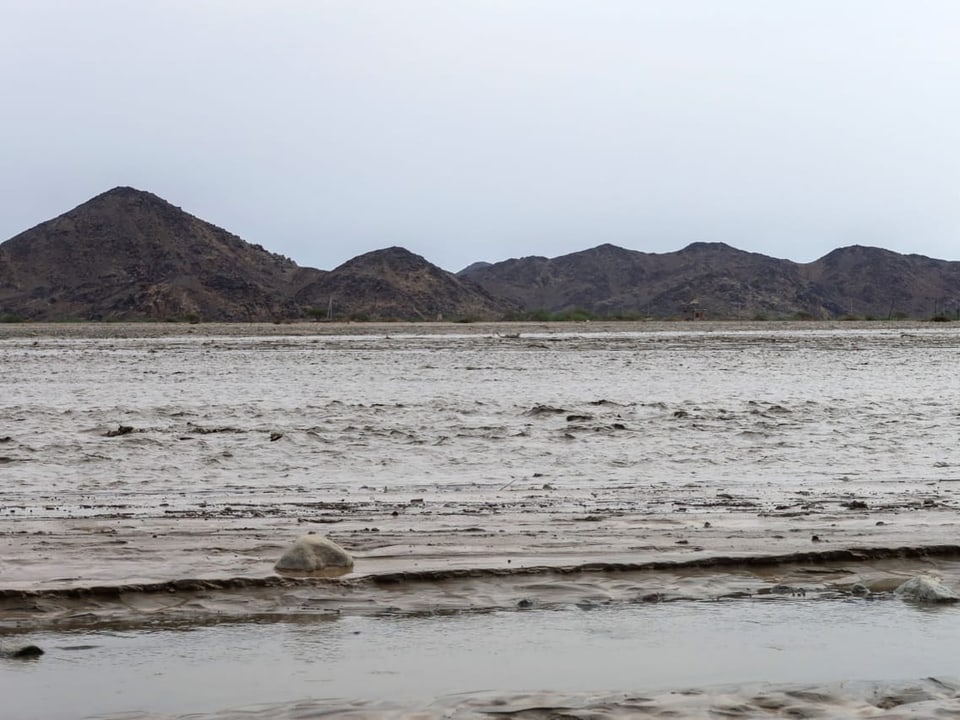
(503, 329)
(873, 572)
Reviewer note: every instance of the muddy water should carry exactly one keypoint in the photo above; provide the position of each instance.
(467, 468)
(432, 664)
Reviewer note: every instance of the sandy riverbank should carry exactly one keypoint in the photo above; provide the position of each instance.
(106, 330)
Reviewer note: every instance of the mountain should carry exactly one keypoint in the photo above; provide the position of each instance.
(610, 280)
(718, 281)
(871, 281)
(130, 255)
(396, 284)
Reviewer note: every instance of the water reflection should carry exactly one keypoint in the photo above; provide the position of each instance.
(413, 659)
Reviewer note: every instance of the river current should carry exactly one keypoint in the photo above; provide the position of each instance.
(502, 474)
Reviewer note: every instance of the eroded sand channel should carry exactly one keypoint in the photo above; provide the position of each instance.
(459, 449)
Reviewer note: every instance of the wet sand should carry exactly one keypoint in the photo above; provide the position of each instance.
(470, 468)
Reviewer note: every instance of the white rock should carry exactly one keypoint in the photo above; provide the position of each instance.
(924, 588)
(314, 555)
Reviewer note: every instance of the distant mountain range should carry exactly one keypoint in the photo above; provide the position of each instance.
(130, 255)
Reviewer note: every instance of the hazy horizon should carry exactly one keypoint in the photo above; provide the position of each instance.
(481, 131)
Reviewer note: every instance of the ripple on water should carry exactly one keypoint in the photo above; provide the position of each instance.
(411, 661)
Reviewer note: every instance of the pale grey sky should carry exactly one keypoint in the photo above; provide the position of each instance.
(488, 129)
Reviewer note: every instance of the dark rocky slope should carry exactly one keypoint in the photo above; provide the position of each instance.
(130, 255)
(395, 284)
(719, 281)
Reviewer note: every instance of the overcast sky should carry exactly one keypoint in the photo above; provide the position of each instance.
(489, 129)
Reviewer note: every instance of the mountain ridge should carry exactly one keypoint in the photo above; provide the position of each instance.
(127, 254)
(720, 281)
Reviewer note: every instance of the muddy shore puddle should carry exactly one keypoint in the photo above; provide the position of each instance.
(415, 663)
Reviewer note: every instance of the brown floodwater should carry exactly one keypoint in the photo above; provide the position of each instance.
(434, 663)
(151, 476)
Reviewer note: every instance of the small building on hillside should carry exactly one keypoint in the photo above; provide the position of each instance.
(693, 311)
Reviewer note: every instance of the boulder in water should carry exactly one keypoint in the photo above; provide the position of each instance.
(924, 588)
(314, 555)
(27, 651)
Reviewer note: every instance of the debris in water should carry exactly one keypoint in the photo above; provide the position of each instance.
(121, 430)
(924, 588)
